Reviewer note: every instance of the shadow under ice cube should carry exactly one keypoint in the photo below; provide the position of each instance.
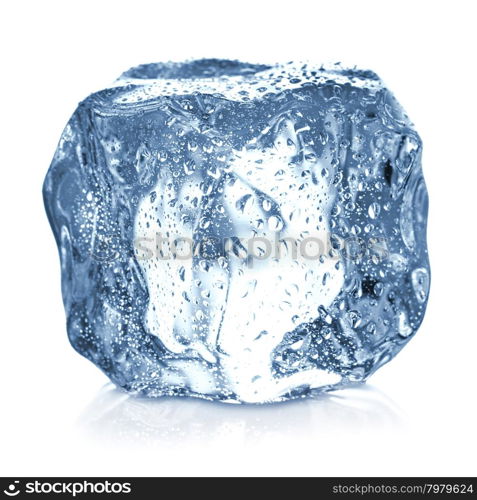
(238, 232)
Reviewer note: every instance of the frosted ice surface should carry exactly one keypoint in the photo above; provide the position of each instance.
(245, 233)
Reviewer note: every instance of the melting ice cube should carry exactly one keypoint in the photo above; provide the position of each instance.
(245, 233)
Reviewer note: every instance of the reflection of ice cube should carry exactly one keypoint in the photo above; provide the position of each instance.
(232, 163)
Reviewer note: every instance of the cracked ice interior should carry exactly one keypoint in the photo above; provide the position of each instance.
(239, 232)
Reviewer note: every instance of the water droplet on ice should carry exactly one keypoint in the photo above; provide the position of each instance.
(190, 167)
(192, 146)
(373, 210)
(403, 326)
(275, 223)
(182, 273)
(267, 205)
(378, 289)
(204, 223)
(420, 283)
(242, 202)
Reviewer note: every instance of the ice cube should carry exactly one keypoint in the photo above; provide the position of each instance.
(239, 232)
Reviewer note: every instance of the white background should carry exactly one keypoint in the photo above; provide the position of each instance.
(417, 415)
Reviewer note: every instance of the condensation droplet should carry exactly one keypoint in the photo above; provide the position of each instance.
(420, 283)
(373, 210)
(275, 223)
(267, 205)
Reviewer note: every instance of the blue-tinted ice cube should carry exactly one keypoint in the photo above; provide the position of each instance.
(245, 233)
